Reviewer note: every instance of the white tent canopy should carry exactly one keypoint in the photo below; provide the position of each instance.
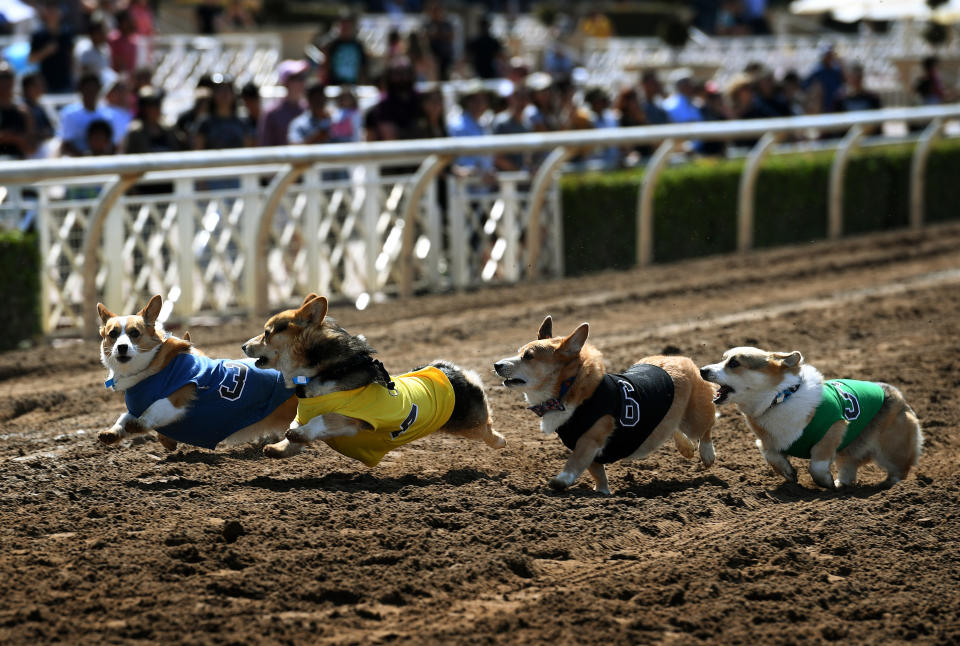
(854, 10)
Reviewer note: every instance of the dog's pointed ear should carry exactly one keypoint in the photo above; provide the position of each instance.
(572, 345)
(309, 297)
(186, 335)
(789, 359)
(151, 311)
(546, 329)
(105, 314)
(312, 311)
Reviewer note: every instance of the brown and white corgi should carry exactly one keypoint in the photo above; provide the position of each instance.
(605, 417)
(185, 396)
(794, 412)
(347, 398)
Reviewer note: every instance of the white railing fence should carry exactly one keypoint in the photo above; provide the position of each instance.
(251, 230)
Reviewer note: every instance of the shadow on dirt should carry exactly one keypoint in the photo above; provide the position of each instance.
(662, 488)
(341, 481)
(792, 492)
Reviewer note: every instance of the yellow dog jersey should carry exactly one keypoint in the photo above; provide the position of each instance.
(423, 403)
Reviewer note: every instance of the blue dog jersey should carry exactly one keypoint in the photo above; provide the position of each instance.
(231, 394)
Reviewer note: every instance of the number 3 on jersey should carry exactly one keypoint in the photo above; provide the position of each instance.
(851, 407)
(232, 385)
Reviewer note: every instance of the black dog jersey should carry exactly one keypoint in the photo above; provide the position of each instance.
(638, 400)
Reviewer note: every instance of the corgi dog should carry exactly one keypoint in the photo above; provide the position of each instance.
(346, 397)
(605, 417)
(171, 387)
(794, 412)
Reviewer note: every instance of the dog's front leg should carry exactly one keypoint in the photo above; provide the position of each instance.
(161, 413)
(589, 444)
(125, 425)
(823, 452)
(321, 428)
(779, 462)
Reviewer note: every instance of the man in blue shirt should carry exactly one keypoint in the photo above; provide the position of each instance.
(679, 105)
(470, 124)
(829, 75)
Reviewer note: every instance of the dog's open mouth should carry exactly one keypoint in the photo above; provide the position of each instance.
(513, 382)
(123, 358)
(261, 362)
(722, 393)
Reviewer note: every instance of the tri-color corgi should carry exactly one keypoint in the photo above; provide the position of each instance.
(794, 412)
(347, 398)
(605, 417)
(185, 396)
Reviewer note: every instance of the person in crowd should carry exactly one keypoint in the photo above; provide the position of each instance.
(424, 65)
(395, 45)
(395, 116)
(31, 89)
(346, 120)
(75, 117)
(252, 111)
(51, 47)
(511, 121)
(117, 102)
(187, 122)
(92, 53)
(828, 74)
(679, 106)
(223, 128)
(653, 98)
(558, 59)
(595, 24)
(540, 113)
(855, 96)
(16, 132)
(142, 77)
(142, 15)
(207, 13)
(570, 115)
(236, 17)
(930, 87)
(275, 124)
(431, 123)
(440, 36)
(744, 103)
(770, 98)
(630, 112)
(712, 108)
(99, 138)
(602, 115)
(313, 125)
(346, 57)
(791, 88)
(471, 123)
(125, 44)
(486, 53)
(148, 134)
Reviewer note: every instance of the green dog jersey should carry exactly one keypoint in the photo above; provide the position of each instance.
(855, 401)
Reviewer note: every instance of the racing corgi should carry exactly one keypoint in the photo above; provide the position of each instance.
(185, 396)
(605, 417)
(347, 398)
(794, 412)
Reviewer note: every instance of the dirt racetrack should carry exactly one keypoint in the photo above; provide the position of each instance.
(450, 541)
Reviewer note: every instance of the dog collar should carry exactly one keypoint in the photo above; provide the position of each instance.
(108, 384)
(543, 408)
(784, 395)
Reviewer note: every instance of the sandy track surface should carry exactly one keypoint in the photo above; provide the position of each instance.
(450, 541)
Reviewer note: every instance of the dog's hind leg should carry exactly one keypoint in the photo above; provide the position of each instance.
(685, 445)
(599, 474)
(283, 449)
(168, 443)
(484, 432)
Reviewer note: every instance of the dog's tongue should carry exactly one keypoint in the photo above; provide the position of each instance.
(721, 393)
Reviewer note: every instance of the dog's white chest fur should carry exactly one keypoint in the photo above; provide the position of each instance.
(785, 422)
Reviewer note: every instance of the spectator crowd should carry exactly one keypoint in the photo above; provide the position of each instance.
(119, 111)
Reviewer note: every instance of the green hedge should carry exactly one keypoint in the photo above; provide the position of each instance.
(20, 277)
(695, 204)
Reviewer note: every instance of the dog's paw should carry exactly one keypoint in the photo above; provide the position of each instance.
(561, 481)
(282, 449)
(684, 445)
(498, 441)
(602, 490)
(168, 443)
(295, 435)
(110, 436)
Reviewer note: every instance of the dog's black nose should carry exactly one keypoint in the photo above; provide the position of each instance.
(703, 373)
(244, 348)
(122, 348)
(499, 366)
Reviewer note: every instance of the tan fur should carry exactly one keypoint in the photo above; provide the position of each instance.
(284, 344)
(144, 323)
(549, 361)
(892, 439)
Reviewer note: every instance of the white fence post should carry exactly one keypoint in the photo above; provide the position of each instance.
(371, 216)
(456, 220)
(186, 258)
(252, 212)
(113, 258)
